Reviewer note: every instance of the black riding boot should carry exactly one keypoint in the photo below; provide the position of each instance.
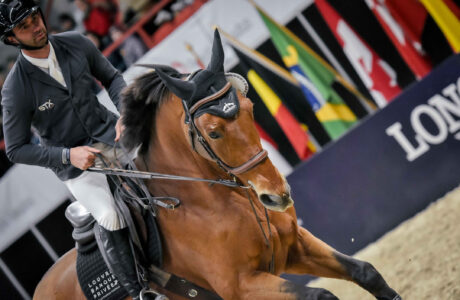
(120, 259)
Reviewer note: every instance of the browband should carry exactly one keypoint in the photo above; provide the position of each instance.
(210, 98)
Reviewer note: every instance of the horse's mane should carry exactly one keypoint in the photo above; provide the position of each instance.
(139, 102)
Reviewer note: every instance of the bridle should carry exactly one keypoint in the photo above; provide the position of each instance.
(195, 134)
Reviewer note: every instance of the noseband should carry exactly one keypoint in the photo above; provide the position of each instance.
(194, 133)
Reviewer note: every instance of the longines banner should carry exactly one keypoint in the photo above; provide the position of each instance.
(386, 169)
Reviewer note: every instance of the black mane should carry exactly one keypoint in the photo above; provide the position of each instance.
(139, 102)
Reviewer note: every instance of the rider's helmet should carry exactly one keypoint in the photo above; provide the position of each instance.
(12, 12)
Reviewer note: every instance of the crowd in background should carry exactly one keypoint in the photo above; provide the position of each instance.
(103, 22)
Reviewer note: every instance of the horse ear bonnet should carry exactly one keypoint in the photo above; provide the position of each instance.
(208, 82)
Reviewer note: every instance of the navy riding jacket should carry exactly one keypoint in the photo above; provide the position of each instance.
(63, 117)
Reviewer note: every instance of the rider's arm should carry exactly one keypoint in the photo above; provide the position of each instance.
(17, 119)
(103, 70)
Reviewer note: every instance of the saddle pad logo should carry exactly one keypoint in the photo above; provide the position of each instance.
(228, 107)
(47, 105)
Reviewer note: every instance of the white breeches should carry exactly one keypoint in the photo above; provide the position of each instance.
(92, 191)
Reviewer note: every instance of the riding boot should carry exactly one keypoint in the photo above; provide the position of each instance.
(120, 260)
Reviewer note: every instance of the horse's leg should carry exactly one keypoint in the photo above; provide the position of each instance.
(262, 285)
(312, 256)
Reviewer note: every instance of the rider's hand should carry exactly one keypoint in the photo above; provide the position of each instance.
(119, 127)
(83, 157)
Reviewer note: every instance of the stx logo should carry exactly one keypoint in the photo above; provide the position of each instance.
(46, 106)
(440, 110)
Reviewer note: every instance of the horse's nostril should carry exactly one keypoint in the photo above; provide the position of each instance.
(286, 196)
(269, 199)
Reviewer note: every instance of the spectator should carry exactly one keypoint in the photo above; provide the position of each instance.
(115, 58)
(132, 9)
(96, 18)
(66, 22)
(132, 48)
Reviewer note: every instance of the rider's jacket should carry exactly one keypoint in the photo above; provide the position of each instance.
(62, 117)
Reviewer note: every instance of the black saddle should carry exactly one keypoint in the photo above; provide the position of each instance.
(95, 278)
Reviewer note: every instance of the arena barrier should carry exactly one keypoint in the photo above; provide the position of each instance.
(386, 169)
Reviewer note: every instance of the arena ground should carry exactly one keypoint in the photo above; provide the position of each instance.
(420, 258)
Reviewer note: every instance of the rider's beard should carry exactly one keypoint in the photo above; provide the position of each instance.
(39, 39)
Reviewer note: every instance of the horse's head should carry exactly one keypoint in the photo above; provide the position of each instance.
(219, 125)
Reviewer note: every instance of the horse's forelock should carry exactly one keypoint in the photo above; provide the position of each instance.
(139, 103)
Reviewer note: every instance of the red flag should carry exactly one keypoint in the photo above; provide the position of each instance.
(415, 59)
(411, 15)
(375, 73)
(265, 136)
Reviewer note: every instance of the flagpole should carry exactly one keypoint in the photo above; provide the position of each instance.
(348, 82)
(195, 55)
(307, 26)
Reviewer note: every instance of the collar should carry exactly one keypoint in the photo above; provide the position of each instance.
(42, 63)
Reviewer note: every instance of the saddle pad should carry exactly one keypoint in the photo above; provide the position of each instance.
(95, 279)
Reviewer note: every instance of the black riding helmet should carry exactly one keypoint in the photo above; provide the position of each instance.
(12, 12)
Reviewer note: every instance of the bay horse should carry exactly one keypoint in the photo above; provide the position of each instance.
(218, 238)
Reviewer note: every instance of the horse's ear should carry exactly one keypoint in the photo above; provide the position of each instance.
(217, 59)
(182, 89)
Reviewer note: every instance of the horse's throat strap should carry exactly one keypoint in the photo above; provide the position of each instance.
(251, 163)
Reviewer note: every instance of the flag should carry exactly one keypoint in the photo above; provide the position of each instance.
(376, 74)
(273, 153)
(447, 21)
(271, 91)
(272, 129)
(198, 60)
(291, 128)
(420, 28)
(315, 77)
(415, 59)
(284, 85)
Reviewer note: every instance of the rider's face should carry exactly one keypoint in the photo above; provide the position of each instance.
(31, 31)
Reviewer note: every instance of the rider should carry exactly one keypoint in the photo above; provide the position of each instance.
(49, 88)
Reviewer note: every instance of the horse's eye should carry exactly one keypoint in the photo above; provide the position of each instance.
(214, 135)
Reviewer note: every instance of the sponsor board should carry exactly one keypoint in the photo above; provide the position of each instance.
(386, 169)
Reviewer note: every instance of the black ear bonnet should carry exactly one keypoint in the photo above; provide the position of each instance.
(211, 84)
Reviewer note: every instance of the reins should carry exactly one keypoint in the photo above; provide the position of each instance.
(154, 175)
(160, 201)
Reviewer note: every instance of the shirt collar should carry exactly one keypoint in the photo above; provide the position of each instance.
(41, 62)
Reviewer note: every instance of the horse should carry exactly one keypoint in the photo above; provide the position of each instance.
(233, 241)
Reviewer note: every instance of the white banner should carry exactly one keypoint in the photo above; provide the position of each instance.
(27, 195)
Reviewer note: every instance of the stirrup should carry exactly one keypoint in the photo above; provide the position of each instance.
(157, 295)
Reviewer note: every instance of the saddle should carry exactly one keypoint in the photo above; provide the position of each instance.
(95, 278)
